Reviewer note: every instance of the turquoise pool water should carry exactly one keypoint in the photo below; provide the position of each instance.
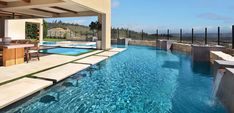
(139, 80)
(65, 51)
(47, 43)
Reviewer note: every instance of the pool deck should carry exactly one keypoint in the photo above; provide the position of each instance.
(20, 81)
(46, 62)
(92, 60)
(61, 72)
(20, 89)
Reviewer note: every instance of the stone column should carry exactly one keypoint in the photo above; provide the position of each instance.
(106, 31)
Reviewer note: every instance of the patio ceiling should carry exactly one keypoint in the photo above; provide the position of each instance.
(45, 8)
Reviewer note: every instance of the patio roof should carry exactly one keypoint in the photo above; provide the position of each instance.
(52, 8)
(26, 9)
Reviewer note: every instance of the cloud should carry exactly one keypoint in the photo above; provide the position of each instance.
(213, 16)
(115, 3)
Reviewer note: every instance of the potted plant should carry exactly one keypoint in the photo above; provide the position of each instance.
(96, 28)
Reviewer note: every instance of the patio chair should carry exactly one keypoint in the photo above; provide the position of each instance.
(29, 52)
(1, 56)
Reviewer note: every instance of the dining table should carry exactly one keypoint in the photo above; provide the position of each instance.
(13, 54)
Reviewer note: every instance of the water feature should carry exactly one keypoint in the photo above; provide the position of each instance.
(217, 81)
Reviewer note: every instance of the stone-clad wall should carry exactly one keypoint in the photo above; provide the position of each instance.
(137, 42)
(186, 48)
(142, 42)
(226, 91)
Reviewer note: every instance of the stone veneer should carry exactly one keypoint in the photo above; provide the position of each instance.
(226, 91)
(185, 48)
(142, 42)
(137, 42)
(202, 52)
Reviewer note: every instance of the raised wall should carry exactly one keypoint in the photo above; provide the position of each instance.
(226, 91)
(142, 42)
(16, 28)
(185, 48)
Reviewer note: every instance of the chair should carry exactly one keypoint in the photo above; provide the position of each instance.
(1, 56)
(29, 52)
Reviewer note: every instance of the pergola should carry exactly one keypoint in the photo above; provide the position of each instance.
(27, 9)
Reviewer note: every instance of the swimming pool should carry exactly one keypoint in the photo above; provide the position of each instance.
(47, 43)
(139, 80)
(66, 51)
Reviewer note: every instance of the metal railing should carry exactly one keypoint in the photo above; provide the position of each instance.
(192, 37)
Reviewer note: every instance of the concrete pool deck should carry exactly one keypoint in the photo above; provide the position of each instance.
(20, 89)
(92, 60)
(23, 87)
(16, 71)
(61, 72)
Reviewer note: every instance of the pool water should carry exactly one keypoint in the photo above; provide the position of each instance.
(139, 80)
(47, 43)
(65, 51)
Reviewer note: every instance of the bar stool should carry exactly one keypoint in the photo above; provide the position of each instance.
(1, 56)
(29, 52)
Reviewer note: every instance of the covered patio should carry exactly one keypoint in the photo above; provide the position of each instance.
(32, 9)
(14, 14)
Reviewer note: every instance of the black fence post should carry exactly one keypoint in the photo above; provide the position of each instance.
(232, 36)
(142, 35)
(168, 34)
(205, 36)
(192, 35)
(218, 35)
(181, 35)
(129, 33)
(157, 34)
(118, 33)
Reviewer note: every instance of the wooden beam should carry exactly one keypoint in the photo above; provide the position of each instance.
(63, 9)
(34, 13)
(33, 3)
(3, 3)
(46, 11)
(28, 1)
(78, 14)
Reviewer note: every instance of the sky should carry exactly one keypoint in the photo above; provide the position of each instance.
(150, 15)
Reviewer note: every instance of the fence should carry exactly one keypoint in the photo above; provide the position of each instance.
(195, 36)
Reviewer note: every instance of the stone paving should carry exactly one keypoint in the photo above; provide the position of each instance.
(91, 60)
(65, 66)
(16, 71)
(19, 89)
(61, 72)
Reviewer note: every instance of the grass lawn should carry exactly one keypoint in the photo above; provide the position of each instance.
(53, 39)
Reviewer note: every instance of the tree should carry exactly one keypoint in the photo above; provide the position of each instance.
(45, 28)
(96, 28)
